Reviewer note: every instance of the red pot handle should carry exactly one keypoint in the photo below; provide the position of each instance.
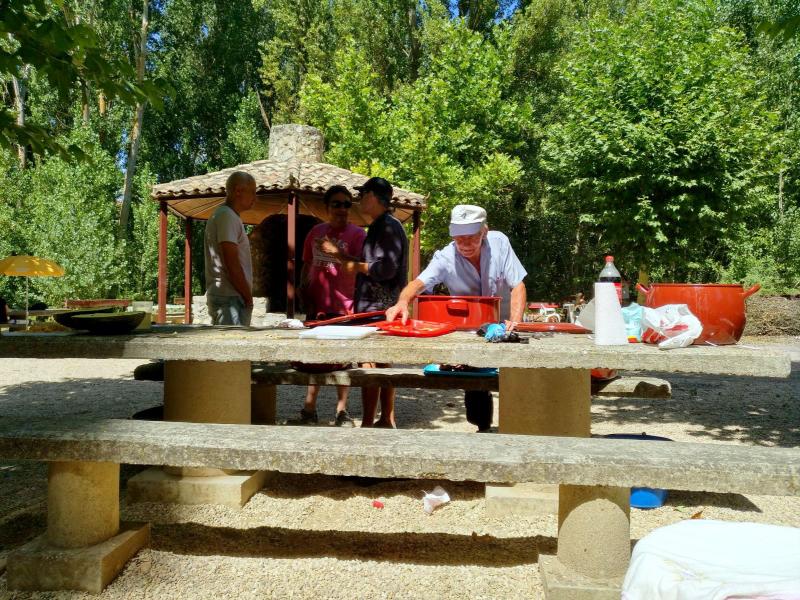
(751, 291)
(647, 291)
(457, 305)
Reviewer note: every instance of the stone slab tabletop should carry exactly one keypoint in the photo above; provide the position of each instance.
(281, 345)
(448, 455)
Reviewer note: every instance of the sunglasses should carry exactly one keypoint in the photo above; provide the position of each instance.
(339, 204)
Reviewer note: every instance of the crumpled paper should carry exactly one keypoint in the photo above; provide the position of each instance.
(291, 324)
(435, 498)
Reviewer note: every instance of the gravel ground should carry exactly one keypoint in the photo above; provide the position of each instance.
(320, 537)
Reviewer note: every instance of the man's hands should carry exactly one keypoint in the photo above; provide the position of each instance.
(230, 258)
(326, 246)
(352, 267)
(401, 309)
(406, 297)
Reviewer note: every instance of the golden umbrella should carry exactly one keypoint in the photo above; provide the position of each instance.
(29, 266)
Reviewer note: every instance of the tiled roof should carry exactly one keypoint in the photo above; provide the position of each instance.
(274, 177)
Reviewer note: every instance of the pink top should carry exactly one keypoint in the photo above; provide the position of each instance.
(330, 289)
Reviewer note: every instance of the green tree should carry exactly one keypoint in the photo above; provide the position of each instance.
(304, 37)
(662, 136)
(69, 217)
(450, 134)
(39, 35)
(209, 52)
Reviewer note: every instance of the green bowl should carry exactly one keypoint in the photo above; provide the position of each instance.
(109, 323)
(67, 319)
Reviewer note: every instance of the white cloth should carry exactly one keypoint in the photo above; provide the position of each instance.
(501, 271)
(715, 560)
(225, 226)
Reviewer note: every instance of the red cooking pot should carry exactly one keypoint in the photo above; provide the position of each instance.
(465, 312)
(720, 307)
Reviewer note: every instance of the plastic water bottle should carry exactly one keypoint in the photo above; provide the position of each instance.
(611, 274)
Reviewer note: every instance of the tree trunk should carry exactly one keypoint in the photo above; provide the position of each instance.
(101, 110)
(644, 279)
(413, 56)
(780, 192)
(136, 132)
(264, 116)
(19, 100)
(85, 102)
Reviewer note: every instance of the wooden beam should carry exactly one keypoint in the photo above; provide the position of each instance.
(187, 273)
(291, 252)
(415, 254)
(162, 263)
(415, 245)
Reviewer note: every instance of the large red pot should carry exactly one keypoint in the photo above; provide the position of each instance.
(720, 307)
(465, 312)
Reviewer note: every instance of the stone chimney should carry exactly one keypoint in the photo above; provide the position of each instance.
(296, 142)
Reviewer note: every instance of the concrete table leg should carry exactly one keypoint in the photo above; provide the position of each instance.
(593, 522)
(539, 402)
(202, 392)
(594, 546)
(84, 547)
(264, 403)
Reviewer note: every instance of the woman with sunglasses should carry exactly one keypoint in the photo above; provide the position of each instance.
(328, 288)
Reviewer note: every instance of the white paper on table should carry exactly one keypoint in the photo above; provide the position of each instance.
(337, 332)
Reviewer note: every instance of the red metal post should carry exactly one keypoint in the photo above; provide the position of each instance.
(415, 251)
(187, 273)
(415, 247)
(162, 263)
(291, 252)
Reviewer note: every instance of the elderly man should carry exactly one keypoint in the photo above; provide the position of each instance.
(229, 269)
(478, 262)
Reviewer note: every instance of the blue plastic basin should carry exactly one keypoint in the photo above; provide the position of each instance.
(642, 497)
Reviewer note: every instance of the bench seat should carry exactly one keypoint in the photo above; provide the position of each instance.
(420, 454)
(86, 546)
(413, 377)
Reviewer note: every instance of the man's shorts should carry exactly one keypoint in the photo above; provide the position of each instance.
(228, 310)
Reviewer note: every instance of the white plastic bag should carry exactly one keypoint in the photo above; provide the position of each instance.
(670, 326)
(435, 498)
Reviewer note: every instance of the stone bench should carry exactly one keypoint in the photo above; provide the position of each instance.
(266, 377)
(86, 546)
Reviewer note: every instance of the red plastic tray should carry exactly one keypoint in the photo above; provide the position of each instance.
(554, 327)
(414, 328)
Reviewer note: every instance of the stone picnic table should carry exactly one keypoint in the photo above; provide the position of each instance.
(544, 390)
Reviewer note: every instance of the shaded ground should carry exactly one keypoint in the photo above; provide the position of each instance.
(317, 536)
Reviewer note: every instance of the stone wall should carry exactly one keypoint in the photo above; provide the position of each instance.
(300, 142)
(772, 315)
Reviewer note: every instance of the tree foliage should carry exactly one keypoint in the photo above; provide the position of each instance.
(666, 131)
(38, 34)
(664, 135)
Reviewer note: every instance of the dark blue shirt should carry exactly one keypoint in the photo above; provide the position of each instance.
(385, 250)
